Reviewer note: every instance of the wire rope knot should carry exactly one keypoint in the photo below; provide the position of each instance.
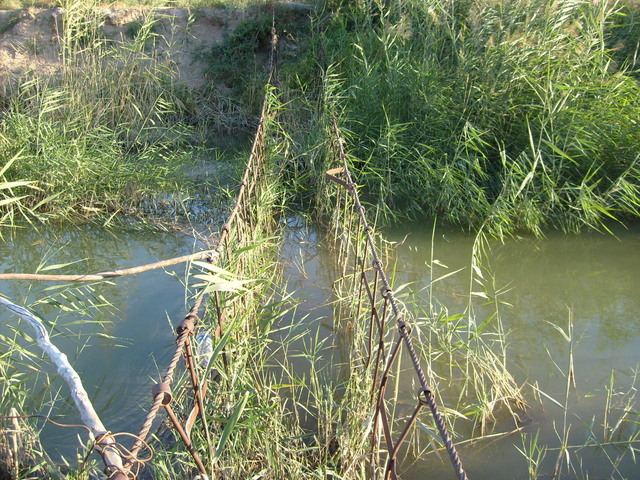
(404, 325)
(114, 473)
(164, 389)
(385, 291)
(104, 439)
(105, 444)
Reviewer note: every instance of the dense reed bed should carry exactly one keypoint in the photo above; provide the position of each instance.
(517, 115)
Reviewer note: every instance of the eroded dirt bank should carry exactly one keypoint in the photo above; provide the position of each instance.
(30, 39)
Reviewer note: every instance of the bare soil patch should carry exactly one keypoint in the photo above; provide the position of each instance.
(30, 38)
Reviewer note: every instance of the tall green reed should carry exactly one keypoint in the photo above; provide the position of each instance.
(512, 114)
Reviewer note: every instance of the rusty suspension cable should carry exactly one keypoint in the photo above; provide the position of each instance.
(402, 324)
(162, 395)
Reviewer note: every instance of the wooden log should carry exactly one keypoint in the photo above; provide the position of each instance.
(105, 443)
(112, 274)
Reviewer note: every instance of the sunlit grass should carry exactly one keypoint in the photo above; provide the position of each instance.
(513, 115)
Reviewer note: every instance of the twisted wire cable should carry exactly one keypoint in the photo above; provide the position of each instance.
(402, 324)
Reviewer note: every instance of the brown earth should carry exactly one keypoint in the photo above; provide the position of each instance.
(30, 38)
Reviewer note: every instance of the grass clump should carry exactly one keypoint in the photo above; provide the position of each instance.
(510, 114)
(235, 63)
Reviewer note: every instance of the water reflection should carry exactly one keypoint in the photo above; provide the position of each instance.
(118, 334)
(590, 279)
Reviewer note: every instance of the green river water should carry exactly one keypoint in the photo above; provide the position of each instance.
(591, 279)
(117, 350)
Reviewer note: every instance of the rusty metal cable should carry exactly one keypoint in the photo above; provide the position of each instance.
(124, 453)
(241, 216)
(162, 392)
(48, 420)
(426, 394)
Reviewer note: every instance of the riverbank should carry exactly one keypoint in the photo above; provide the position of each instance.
(501, 118)
(508, 118)
(130, 112)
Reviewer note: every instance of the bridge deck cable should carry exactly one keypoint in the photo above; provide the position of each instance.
(374, 289)
(342, 176)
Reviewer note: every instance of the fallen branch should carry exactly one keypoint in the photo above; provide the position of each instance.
(105, 443)
(106, 275)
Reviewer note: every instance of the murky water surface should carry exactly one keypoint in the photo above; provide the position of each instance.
(589, 280)
(117, 349)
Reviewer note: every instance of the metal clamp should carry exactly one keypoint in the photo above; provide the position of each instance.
(187, 326)
(165, 389)
(404, 325)
(423, 395)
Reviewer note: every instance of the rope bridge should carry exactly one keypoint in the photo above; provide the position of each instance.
(356, 248)
(237, 232)
(370, 283)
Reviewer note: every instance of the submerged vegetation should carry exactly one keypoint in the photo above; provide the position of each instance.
(496, 116)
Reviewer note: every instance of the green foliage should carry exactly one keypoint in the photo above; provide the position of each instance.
(101, 136)
(623, 37)
(235, 63)
(512, 114)
(240, 63)
(75, 167)
(18, 4)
